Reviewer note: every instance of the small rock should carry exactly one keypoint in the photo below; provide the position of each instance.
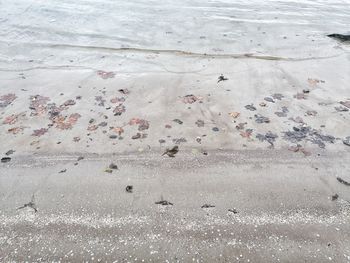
(137, 136)
(335, 197)
(346, 141)
(200, 123)
(163, 202)
(261, 119)
(234, 114)
(233, 210)
(129, 188)
(207, 206)
(113, 166)
(222, 78)
(250, 107)
(268, 99)
(178, 121)
(171, 152)
(9, 152)
(340, 180)
(5, 159)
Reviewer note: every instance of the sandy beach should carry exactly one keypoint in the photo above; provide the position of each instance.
(95, 95)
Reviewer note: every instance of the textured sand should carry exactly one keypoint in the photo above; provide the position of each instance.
(65, 63)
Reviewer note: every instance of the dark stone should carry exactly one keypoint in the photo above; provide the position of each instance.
(129, 188)
(5, 159)
(340, 37)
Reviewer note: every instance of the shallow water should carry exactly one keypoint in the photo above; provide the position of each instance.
(221, 26)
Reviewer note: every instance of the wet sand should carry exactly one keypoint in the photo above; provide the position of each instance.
(256, 99)
(269, 206)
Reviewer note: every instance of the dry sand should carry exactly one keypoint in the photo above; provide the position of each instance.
(121, 82)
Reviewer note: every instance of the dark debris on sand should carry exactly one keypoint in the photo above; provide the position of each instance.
(163, 202)
(307, 133)
(171, 152)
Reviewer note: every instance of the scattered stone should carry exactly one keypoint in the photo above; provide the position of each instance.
(105, 74)
(171, 152)
(300, 96)
(118, 110)
(234, 114)
(341, 109)
(250, 107)
(63, 123)
(343, 181)
(189, 99)
(215, 129)
(12, 119)
(297, 120)
(179, 140)
(69, 103)
(9, 152)
(222, 78)
(240, 126)
(297, 148)
(108, 170)
(63, 171)
(7, 99)
(5, 159)
(335, 197)
(200, 123)
(38, 104)
(113, 136)
(268, 99)
(199, 140)
(161, 141)
(345, 103)
(39, 132)
(233, 210)
(118, 130)
(101, 101)
(113, 166)
(124, 91)
(269, 137)
(262, 104)
(277, 96)
(15, 130)
(92, 127)
(311, 112)
(340, 37)
(143, 125)
(103, 124)
(129, 188)
(167, 126)
(207, 206)
(314, 82)
(247, 133)
(261, 119)
(116, 100)
(282, 113)
(178, 121)
(300, 133)
(76, 139)
(137, 136)
(163, 202)
(346, 141)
